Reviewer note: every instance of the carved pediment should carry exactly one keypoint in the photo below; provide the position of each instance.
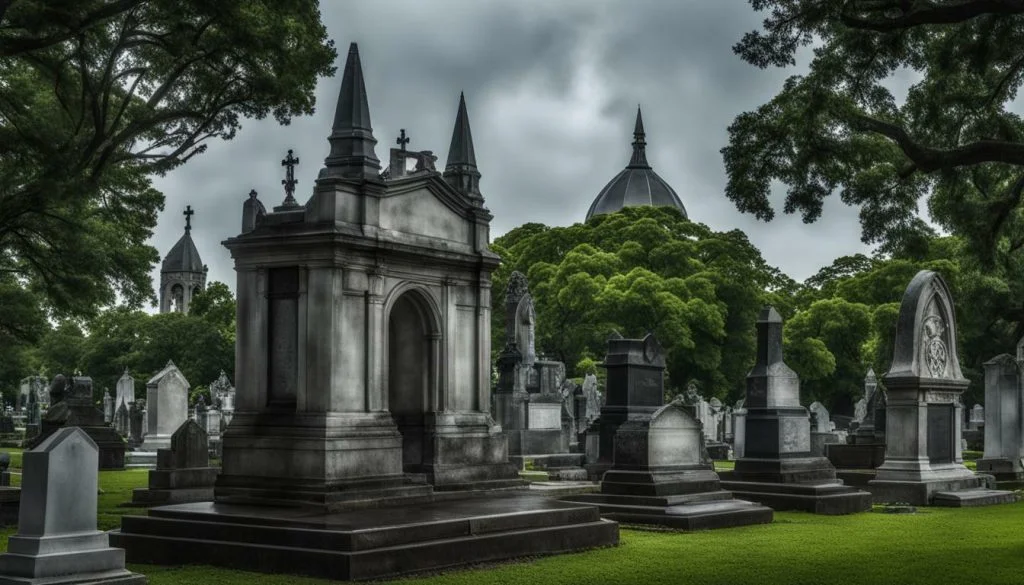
(926, 332)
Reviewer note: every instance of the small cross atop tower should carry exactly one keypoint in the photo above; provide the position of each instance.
(403, 140)
(289, 182)
(188, 213)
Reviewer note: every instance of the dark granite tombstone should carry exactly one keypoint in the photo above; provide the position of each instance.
(660, 471)
(6, 425)
(75, 408)
(923, 463)
(183, 472)
(777, 468)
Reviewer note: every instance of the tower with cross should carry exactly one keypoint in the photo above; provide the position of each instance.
(182, 273)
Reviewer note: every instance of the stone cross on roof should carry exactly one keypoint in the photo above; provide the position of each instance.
(188, 213)
(402, 139)
(289, 182)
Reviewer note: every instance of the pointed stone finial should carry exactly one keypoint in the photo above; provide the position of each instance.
(769, 337)
(639, 158)
(870, 377)
(771, 383)
(460, 172)
(352, 155)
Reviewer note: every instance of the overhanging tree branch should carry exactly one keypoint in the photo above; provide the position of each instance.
(860, 15)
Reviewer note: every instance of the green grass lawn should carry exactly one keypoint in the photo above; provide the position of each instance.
(932, 547)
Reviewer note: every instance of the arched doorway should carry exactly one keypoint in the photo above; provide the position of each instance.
(410, 372)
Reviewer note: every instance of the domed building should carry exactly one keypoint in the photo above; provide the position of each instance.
(637, 184)
(182, 274)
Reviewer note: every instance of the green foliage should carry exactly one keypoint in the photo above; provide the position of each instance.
(643, 269)
(201, 344)
(839, 128)
(97, 96)
(851, 308)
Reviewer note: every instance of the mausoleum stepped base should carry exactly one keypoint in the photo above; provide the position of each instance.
(829, 498)
(954, 492)
(362, 544)
(559, 466)
(699, 511)
(975, 497)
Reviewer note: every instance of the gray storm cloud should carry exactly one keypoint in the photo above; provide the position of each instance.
(551, 90)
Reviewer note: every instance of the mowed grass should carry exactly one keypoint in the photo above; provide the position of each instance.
(935, 546)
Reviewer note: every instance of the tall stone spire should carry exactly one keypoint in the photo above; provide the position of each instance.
(461, 172)
(639, 158)
(352, 141)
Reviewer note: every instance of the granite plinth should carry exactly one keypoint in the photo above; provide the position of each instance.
(362, 544)
(829, 498)
(860, 456)
(788, 470)
(973, 497)
(1002, 469)
(140, 459)
(957, 492)
(10, 504)
(559, 466)
(695, 511)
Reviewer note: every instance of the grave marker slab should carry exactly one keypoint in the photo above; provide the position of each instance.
(57, 541)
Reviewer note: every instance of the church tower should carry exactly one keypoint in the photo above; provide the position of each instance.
(182, 274)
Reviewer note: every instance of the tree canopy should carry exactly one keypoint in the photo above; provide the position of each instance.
(642, 269)
(97, 96)
(845, 127)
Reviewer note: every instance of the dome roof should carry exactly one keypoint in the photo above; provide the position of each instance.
(637, 184)
(184, 257)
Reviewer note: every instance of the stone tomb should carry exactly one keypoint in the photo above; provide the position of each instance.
(864, 450)
(660, 474)
(1004, 423)
(167, 406)
(362, 444)
(777, 468)
(73, 407)
(923, 461)
(57, 541)
(527, 401)
(183, 472)
(822, 429)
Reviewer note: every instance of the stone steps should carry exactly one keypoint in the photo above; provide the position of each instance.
(829, 499)
(696, 515)
(362, 544)
(972, 498)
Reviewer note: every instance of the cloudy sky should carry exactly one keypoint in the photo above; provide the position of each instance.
(551, 90)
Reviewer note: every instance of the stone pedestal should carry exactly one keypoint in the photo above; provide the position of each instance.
(659, 474)
(1004, 420)
(777, 468)
(183, 473)
(57, 541)
(527, 401)
(923, 462)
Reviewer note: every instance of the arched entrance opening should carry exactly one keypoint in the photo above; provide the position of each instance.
(410, 375)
